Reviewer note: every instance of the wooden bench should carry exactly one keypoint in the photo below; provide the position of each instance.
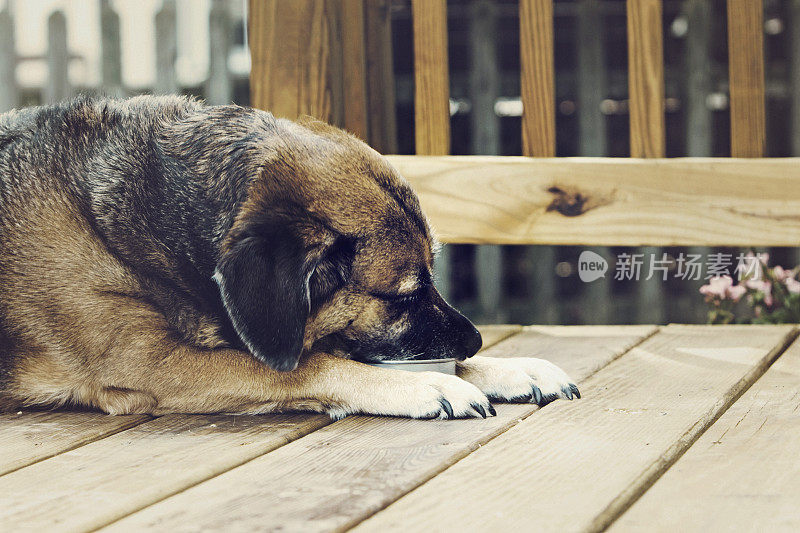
(680, 427)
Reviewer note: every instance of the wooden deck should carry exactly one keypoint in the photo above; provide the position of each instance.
(680, 428)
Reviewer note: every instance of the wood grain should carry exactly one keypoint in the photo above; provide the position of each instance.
(296, 58)
(100, 482)
(431, 79)
(380, 76)
(537, 81)
(743, 474)
(746, 75)
(27, 437)
(494, 333)
(576, 465)
(608, 202)
(341, 474)
(354, 77)
(646, 78)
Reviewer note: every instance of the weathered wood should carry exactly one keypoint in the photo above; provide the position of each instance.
(9, 90)
(484, 84)
(341, 474)
(537, 71)
(218, 86)
(166, 49)
(646, 78)
(296, 58)
(742, 474)
(431, 79)
(621, 202)
(492, 334)
(111, 50)
(57, 87)
(29, 437)
(380, 76)
(746, 74)
(354, 68)
(793, 29)
(592, 80)
(98, 483)
(698, 78)
(576, 465)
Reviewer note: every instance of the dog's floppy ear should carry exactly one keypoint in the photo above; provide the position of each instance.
(263, 280)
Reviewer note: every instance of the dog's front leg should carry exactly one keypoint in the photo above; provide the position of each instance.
(232, 381)
(522, 379)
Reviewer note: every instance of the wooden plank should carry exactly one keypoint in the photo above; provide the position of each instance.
(296, 58)
(380, 76)
(28, 437)
(746, 75)
(110, 50)
(494, 333)
(354, 68)
(57, 87)
(166, 49)
(110, 478)
(338, 475)
(610, 202)
(9, 90)
(537, 78)
(591, 78)
(699, 134)
(646, 78)
(100, 482)
(743, 473)
(218, 86)
(576, 465)
(431, 79)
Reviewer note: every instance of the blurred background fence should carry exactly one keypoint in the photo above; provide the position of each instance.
(51, 49)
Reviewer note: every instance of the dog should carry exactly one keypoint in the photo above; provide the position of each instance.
(158, 255)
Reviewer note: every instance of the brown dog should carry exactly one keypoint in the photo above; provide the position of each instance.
(158, 255)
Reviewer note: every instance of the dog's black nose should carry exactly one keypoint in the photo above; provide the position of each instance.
(472, 342)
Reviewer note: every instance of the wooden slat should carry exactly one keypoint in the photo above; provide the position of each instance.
(537, 78)
(431, 85)
(9, 89)
(57, 87)
(100, 482)
(166, 48)
(614, 201)
(380, 76)
(110, 478)
(295, 61)
(646, 78)
(339, 475)
(492, 334)
(743, 474)
(28, 437)
(746, 74)
(576, 465)
(354, 68)
(218, 90)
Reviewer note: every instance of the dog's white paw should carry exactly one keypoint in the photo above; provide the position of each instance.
(519, 380)
(422, 395)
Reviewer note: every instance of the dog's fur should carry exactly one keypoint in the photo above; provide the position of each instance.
(159, 255)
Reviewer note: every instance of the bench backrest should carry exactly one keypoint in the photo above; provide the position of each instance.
(315, 57)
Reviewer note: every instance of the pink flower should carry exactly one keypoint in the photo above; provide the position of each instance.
(717, 287)
(761, 286)
(781, 274)
(737, 291)
(792, 285)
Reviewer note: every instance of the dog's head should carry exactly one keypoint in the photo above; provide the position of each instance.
(331, 252)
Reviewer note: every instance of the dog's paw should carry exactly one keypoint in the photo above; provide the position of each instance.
(423, 395)
(518, 380)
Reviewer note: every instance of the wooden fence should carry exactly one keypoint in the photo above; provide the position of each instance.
(642, 201)
(217, 89)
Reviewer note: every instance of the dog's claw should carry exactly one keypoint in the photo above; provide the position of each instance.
(447, 407)
(567, 393)
(575, 391)
(537, 395)
(492, 410)
(480, 409)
